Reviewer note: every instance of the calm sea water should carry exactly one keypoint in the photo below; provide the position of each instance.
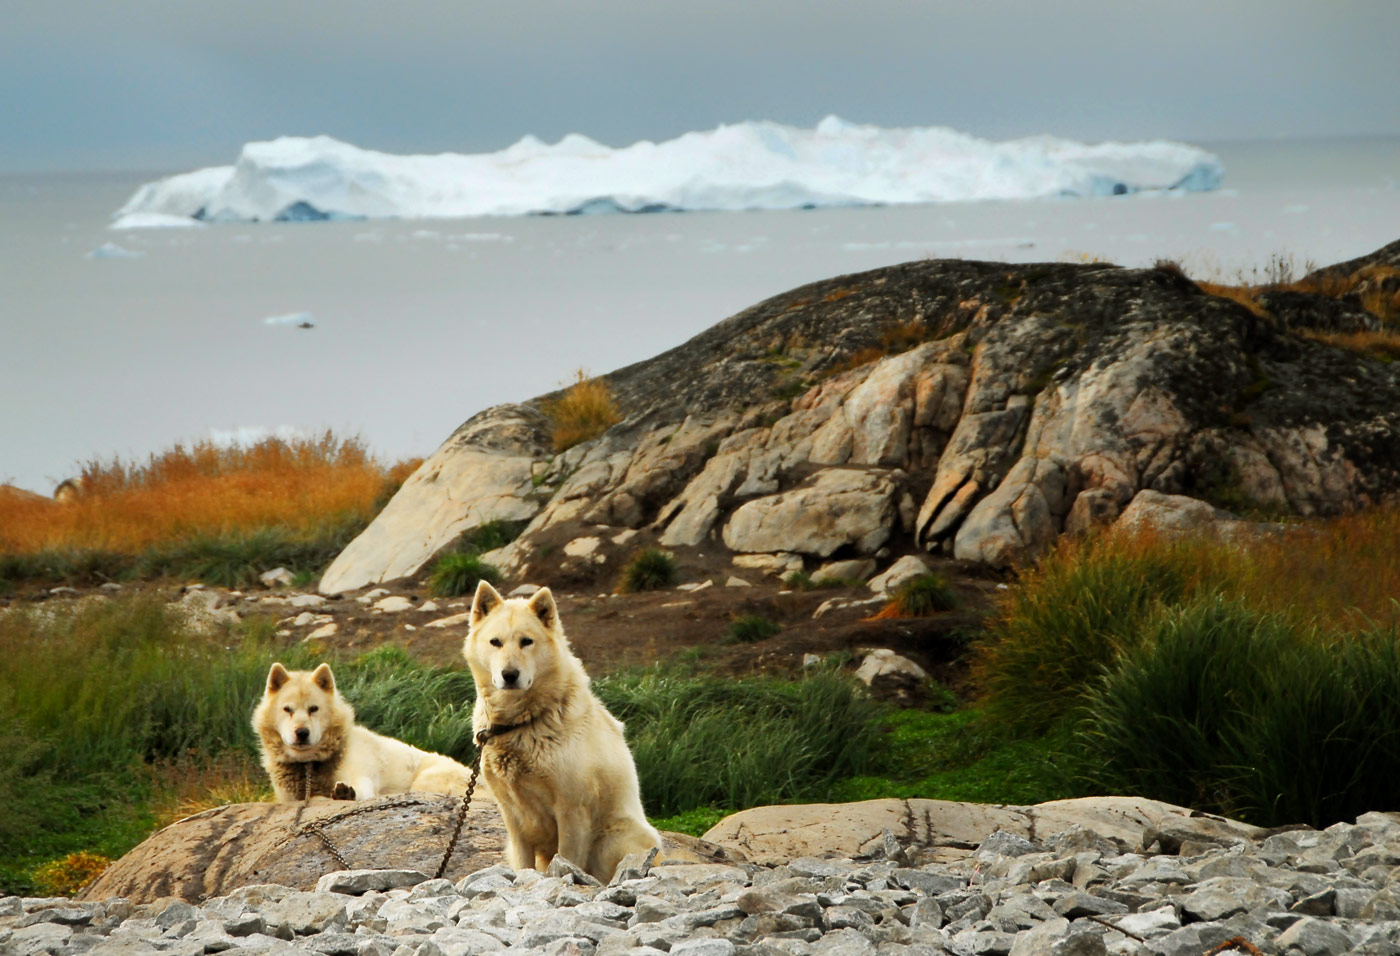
(419, 325)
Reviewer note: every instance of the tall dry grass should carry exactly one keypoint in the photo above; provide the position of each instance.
(1093, 599)
(1374, 286)
(300, 486)
(583, 412)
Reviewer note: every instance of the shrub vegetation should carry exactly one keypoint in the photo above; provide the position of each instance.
(1250, 714)
(583, 412)
(1258, 678)
(751, 628)
(458, 573)
(922, 596)
(117, 716)
(651, 569)
(217, 513)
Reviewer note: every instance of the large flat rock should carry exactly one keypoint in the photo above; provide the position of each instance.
(215, 852)
(778, 834)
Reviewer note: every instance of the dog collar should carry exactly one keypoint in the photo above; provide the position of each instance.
(496, 730)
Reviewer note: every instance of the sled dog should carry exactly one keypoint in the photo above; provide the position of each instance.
(555, 759)
(312, 747)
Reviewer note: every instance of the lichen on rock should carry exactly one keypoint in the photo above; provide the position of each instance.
(974, 408)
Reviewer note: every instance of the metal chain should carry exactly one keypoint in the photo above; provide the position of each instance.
(481, 738)
(318, 827)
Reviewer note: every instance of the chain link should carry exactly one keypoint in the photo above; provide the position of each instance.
(317, 828)
(481, 738)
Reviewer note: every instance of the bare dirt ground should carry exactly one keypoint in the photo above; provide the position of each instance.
(612, 632)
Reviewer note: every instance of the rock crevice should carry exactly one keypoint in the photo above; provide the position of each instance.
(989, 407)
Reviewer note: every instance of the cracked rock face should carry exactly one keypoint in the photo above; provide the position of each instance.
(1151, 880)
(979, 409)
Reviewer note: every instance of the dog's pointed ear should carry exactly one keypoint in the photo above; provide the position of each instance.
(487, 600)
(277, 677)
(542, 603)
(323, 678)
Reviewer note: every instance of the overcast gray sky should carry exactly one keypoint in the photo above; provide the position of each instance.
(173, 84)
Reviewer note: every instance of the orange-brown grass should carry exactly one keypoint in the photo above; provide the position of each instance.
(583, 412)
(70, 874)
(1247, 296)
(1089, 599)
(856, 359)
(191, 785)
(1383, 344)
(299, 485)
(896, 338)
(1369, 283)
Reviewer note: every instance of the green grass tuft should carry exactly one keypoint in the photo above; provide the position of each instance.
(648, 571)
(741, 743)
(1253, 715)
(696, 822)
(457, 573)
(1068, 619)
(965, 756)
(802, 581)
(925, 595)
(750, 629)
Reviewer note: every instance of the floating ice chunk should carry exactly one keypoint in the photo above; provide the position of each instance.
(154, 220)
(300, 320)
(751, 165)
(110, 250)
(252, 434)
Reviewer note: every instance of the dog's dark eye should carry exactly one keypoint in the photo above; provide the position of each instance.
(312, 710)
(495, 642)
(290, 710)
(526, 641)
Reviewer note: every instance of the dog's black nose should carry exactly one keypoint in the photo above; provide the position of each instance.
(510, 677)
(303, 735)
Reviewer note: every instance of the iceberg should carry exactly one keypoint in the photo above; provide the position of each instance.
(742, 166)
(301, 320)
(110, 250)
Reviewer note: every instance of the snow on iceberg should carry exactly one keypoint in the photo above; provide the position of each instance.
(752, 165)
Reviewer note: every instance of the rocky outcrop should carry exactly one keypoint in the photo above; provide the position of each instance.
(218, 851)
(482, 473)
(976, 409)
(1186, 887)
(947, 830)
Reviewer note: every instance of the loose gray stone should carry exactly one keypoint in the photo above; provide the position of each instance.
(1315, 938)
(703, 947)
(810, 866)
(634, 866)
(927, 882)
(357, 882)
(561, 868)
(843, 942)
(1076, 905)
(983, 943)
(177, 912)
(1080, 944)
(1002, 843)
(925, 913)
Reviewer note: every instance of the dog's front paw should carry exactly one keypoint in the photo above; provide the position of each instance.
(343, 791)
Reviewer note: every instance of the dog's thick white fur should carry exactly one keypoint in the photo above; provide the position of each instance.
(557, 762)
(312, 747)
